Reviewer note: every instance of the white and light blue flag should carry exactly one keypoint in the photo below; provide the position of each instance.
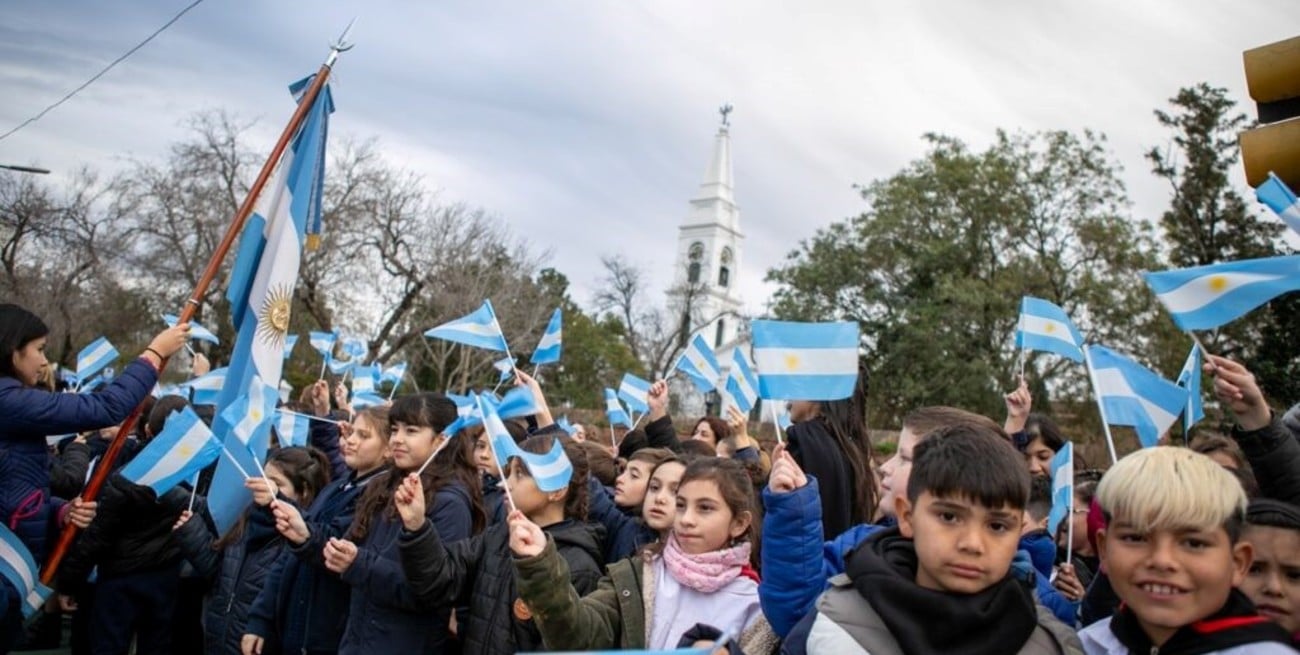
(289, 342)
(19, 567)
(94, 357)
(394, 373)
(1131, 395)
(805, 361)
(323, 342)
(1279, 198)
(293, 429)
(365, 379)
(1062, 487)
(340, 367)
(355, 349)
(1046, 327)
(367, 399)
(551, 471)
(700, 365)
(614, 410)
(250, 412)
(207, 388)
(742, 384)
(1190, 379)
(184, 446)
(548, 349)
(505, 368)
(479, 329)
(1205, 297)
(635, 392)
(197, 332)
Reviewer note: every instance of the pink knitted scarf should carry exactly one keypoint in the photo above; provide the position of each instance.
(707, 572)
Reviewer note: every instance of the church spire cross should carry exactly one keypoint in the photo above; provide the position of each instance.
(724, 110)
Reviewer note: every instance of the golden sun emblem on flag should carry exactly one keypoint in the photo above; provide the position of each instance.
(791, 362)
(1049, 327)
(185, 450)
(273, 317)
(1217, 283)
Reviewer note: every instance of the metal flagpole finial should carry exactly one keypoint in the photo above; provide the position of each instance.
(341, 44)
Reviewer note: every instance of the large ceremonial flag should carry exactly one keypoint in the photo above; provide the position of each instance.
(184, 446)
(1279, 198)
(805, 361)
(19, 567)
(261, 289)
(479, 329)
(548, 349)
(1205, 297)
(1045, 326)
(742, 384)
(1130, 394)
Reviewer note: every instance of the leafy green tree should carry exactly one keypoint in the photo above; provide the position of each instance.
(935, 268)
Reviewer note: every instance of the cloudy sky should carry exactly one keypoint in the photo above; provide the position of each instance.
(588, 124)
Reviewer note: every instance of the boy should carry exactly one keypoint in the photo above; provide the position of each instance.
(1172, 551)
(940, 582)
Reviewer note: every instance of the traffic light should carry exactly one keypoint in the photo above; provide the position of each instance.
(1273, 80)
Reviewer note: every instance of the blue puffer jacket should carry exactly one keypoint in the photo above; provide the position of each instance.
(324, 436)
(384, 615)
(625, 532)
(27, 416)
(303, 606)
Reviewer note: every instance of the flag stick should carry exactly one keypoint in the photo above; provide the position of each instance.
(234, 461)
(396, 382)
(1204, 351)
(496, 458)
(236, 227)
(429, 461)
(1101, 407)
(309, 416)
(776, 422)
(536, 367)
(323, 363)
(1069, 529)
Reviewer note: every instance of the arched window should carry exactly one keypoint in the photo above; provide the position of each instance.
(724, 270)
(694, 256)
(717, 337)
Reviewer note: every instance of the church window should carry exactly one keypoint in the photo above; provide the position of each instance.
(695, 255)
(717, 337)
(724, 271)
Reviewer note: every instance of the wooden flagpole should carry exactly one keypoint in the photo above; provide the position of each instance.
(214, 265)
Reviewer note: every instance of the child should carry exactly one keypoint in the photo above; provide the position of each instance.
(1273, 580)
(1172, 553)
(627, 527)
(303, 607)
(478, 571)
(384, 614)
(947, 565)
(238, 563)
(700, 574)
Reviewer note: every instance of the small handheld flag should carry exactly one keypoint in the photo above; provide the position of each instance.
(506, 367)
(742, 384)
(548, 349)
(805, 361)
(292, 429)
(565, 425)
(184, 446)
(340, 368)
(323, 342)
(1062, 487)
(700, 365)
(197, 331)
(355, 349)
(1129, 394)
(367, 399)
(289, 342)
(364, 379)
(19, 567)
(479, 329)
(1046, 327)
(614, 410)
(207, 388)
(1205, 297)
(635, 392)
(551, 471)
(1279, 198)
(94, 357)
(1190, 379)
(251, 412)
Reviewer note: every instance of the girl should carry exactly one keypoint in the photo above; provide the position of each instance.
(383, 615)
(630, 486)
(28, 413)
(478, 569)
(494, 499)
(702, 574)
(625, 533)
(1273, 580)
(302, 606)
(237, 564)
(1035, 435)
(711, 430)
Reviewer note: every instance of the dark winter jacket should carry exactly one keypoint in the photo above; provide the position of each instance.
(304, 606)
(478, 572)
(236, 574)
(624, 530)
(68, 470)
(817, 453)
(324, 437)
(385, 613)
(494, 498)
(1236, 629)
(1274, 456)
(27, 416)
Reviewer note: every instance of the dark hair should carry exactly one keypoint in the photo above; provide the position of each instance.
(1249, 484)
(719, 427)
(653, 456)
(1039, 426)
(973, 462)
(575, 500)
(925, 420)
(1208, 444)
(1085, 491)
(846, 421)
(161, 410)
(18, 327)
(737, 492)
(697, 448)
(599, 461)
(142, 426)
(632, 441)
(455, 463)
(1269, 513)
(307, 469)
(1040, 497)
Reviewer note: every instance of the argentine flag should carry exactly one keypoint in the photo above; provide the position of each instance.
(184, 446)
(1045, 326)
(742, 385)
(19, 567)
(805, 361)
(1279, 198)
(614, 410)
(505, 367)
(94, 357)
(207, 388)
(250, 412)
(197, 332)
(323, 342)
(565, 425)
(518, 403)
(394, 373)
(548, 349)
(479, 329)
(355, 349)
(261, 290)
(293, 429)
(1205, 297)
(551, 471)
(1062, 487)
(1190, 379)
(1131, 395)
(340, 368)
(635, 392)
(700, 365)
(289, 342)
(364, 378)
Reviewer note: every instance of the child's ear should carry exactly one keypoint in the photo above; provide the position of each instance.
(558, 496)
(1242, 555)
(740, 524)
(1101, 545)
(903, 512)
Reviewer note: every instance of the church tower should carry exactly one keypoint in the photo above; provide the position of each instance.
(704, 296)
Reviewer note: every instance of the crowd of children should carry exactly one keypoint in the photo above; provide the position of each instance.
(386, 534)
